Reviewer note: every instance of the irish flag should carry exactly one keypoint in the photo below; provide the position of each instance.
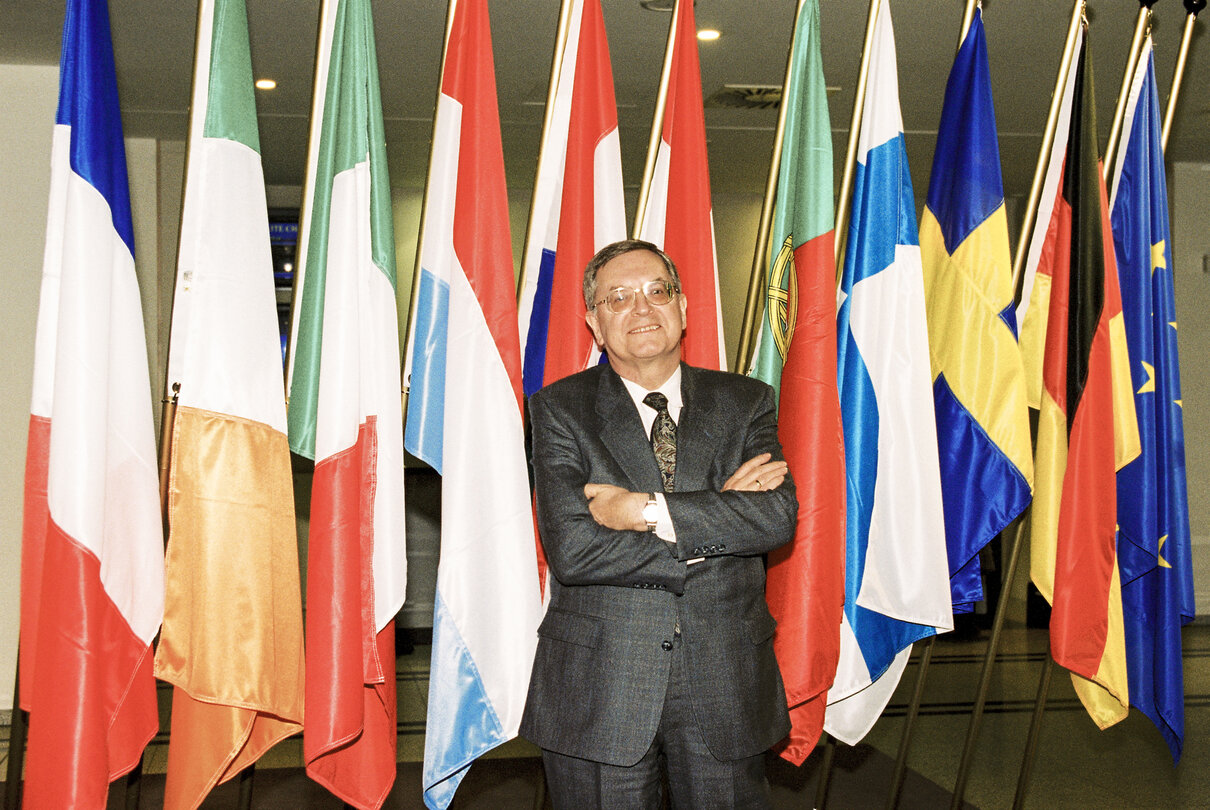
(92, 587)
(232, 641)
(345, 413)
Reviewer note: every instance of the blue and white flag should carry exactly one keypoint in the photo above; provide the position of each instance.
(464, 419)
(1154, 554)
(896, 573)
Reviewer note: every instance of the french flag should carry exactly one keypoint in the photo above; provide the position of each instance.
(578, 206)
(464, 420)
(678, 215)
(92, 577)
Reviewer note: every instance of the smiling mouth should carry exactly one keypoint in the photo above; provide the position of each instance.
(649, 328)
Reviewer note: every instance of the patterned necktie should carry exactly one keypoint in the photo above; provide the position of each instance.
(663, 437)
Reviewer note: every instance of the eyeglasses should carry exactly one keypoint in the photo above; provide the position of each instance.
(657, 292)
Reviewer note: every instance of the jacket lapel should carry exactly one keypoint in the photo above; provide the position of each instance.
(697, 434)
(622, 434)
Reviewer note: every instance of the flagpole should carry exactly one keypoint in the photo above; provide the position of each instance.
(1035, 728)
(318, 91)
(926, 657)
(850, 158)
(556, 66)
(905, 740)
(424, 205)
(1048, 138)
(1142, 28)
(968, 17)
(1031, 213)
(756, 280)
(657, 124)
(1192, 7)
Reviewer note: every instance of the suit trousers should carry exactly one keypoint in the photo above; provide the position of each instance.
(678, 756)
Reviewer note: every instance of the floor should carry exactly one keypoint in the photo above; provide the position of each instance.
(1077, 766)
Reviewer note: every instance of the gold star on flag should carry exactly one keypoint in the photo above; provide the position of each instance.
(1148, 386)
(1157, 257)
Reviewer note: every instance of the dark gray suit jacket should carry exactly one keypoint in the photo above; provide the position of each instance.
(602, 664)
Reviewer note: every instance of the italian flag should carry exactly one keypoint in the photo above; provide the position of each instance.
(345, 413)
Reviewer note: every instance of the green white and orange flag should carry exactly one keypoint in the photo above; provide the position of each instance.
(345, 413)
(232, 636)
(796, 352)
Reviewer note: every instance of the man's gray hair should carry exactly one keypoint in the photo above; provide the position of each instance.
(610, 252)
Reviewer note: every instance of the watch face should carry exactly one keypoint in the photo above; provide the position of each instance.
(650, 512)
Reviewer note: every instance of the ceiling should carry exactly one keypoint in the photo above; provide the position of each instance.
(153, 41)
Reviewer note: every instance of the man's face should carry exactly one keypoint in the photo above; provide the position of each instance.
(644, 336)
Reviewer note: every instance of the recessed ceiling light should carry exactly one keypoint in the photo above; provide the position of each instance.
(265, 84)
(708, 35)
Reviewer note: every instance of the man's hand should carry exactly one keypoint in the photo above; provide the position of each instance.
(757, 473)
(616, 508)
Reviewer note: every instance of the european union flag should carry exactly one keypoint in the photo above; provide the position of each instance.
(1153, 512)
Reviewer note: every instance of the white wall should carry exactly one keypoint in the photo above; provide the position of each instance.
(30, 94)
(1190, 217)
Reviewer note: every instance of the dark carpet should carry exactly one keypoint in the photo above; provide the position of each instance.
(861, 777)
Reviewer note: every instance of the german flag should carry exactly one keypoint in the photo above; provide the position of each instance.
(1086, 425)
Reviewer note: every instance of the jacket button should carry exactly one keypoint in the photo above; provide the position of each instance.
(667, 645)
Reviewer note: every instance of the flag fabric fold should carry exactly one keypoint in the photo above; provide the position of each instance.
(1086, 425)
(983, 432)
(232, 636)
(92, 588)
(465, 420)
(896, 576)
(796, 352)
(578, 206)
(679, 214)
(1154, 545)
(345, 413)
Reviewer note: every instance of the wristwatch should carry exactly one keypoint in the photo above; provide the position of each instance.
(651, 511)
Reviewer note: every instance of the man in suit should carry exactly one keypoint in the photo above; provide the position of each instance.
(655, 658)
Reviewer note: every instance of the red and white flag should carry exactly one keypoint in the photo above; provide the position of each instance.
(678, 214)
(578, 207)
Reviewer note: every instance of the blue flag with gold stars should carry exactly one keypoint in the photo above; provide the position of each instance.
(1153, 513)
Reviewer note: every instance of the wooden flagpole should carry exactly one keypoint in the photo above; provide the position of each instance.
(657, 124)
(1031, 213)
(556, 66)
(1192, 9)
(756, 280)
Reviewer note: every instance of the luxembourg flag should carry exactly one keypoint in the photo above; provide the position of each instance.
(679, 216)
(578, 206)
(92, 576)
(896, 571)
(345, 413)
(464, 420)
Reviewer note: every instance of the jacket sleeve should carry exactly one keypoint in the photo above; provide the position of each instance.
(578, 549)
(710, 523)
